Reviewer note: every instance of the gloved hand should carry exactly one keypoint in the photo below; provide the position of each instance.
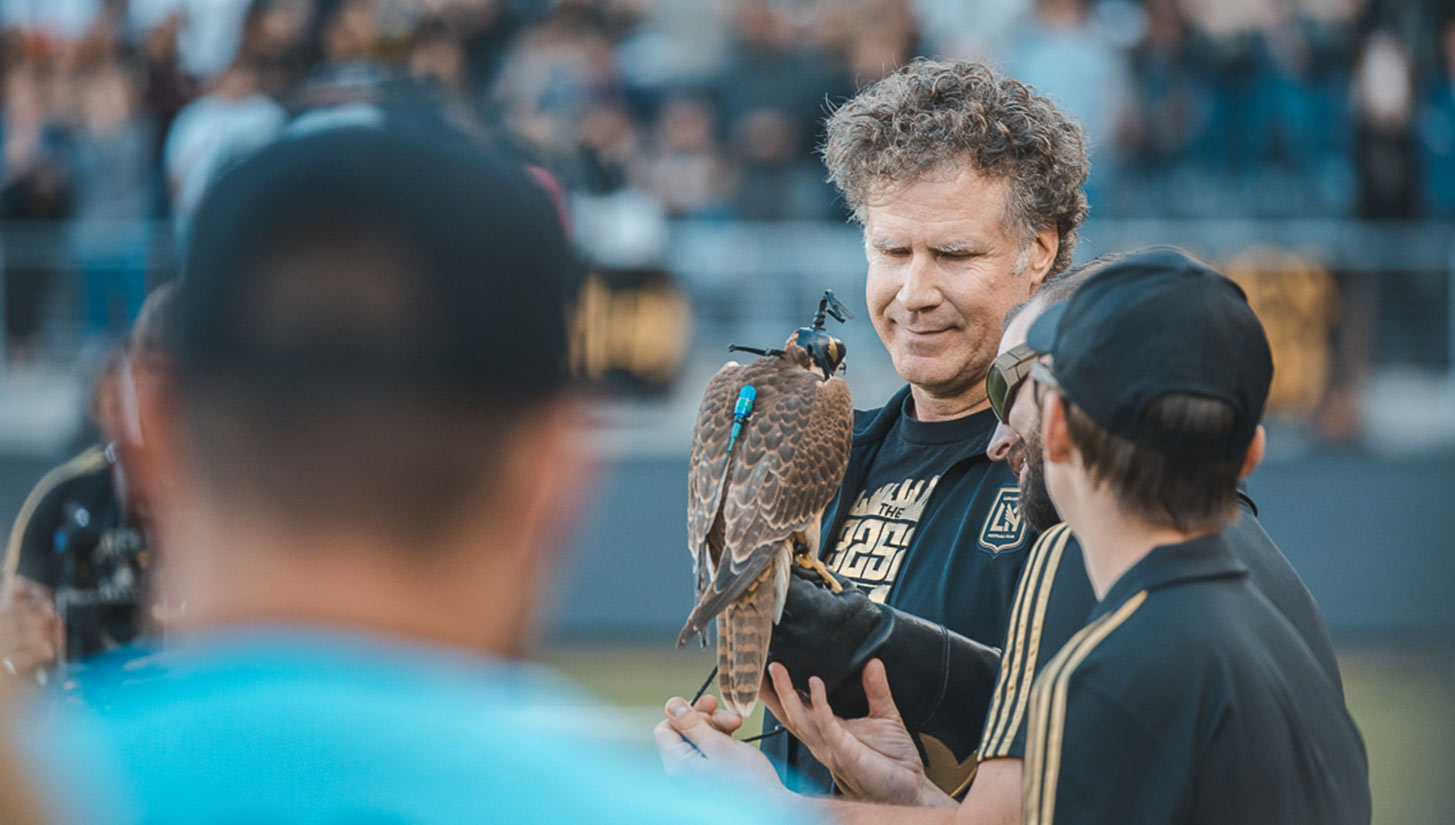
(941, 681)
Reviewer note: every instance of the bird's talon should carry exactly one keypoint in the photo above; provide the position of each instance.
(815, 564)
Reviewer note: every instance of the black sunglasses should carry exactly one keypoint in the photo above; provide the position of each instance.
(1007, 372)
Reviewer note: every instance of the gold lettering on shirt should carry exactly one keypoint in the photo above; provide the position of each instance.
(876, 534)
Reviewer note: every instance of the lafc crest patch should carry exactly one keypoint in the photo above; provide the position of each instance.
(1004, 528)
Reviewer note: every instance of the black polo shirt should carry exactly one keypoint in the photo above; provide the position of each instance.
(1054, 600)
(1190, 698)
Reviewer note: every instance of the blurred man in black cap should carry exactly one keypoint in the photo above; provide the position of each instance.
(369, 455)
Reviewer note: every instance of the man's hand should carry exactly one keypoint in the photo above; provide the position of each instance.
(872, 758)
(30, 628)
(693, 741)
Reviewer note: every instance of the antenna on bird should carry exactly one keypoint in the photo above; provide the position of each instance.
(829, 305)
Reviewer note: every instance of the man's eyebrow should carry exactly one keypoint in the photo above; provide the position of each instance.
(959, 247)
(887, 242)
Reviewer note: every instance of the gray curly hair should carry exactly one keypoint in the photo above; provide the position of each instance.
(932, 114)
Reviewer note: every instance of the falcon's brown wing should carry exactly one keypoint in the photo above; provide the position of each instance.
(785, 470)
(706, 473)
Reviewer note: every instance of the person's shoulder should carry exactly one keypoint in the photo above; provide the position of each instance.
(430, 738)
(874, 422)
(1163, 642)
(1146, 640)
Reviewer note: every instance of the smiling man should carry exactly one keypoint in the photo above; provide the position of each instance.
(968, 188)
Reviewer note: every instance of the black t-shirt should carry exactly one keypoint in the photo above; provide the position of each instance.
(73, 537)
(1054, 600)
(897, 495)
(933, 526)
(1190, 698)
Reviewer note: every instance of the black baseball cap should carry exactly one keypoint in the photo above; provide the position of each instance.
(1153, 323)
(395, 258)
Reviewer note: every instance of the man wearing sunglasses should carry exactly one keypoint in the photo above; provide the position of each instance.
(1190, 695)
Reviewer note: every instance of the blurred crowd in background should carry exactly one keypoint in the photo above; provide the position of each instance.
(115, 111)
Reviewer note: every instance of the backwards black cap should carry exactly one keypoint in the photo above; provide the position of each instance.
(1153, 323)
(386, 259)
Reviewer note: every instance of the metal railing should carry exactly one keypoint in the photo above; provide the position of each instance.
(1371, 297)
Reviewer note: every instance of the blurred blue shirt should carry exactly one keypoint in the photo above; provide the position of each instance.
(291, 726)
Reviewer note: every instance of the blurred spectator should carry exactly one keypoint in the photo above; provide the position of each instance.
(1163, 93)
(485, 29)
(777, 65)
(166, 87)
(610, 143)
(1071, 58)
(33, 187)
(776, 182)
(52, 20)
(344, 37)
(1385, 141)
(439, 58)
(273, 44)
(112, 173)
(553, 73)
(1437, 132)
(209, 34)
(684, 167)
(234, 117)
(968, 29)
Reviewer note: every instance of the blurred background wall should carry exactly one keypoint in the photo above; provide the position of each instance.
(1307, 147)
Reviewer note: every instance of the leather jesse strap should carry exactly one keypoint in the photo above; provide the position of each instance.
(941, 681)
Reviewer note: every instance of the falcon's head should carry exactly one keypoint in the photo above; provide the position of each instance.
(825, 351)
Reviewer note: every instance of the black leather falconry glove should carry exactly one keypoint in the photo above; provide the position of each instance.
(942, 681)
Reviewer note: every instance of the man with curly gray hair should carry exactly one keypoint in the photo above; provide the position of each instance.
(969, 190)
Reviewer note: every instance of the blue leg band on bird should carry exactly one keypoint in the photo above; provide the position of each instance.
(742, 411)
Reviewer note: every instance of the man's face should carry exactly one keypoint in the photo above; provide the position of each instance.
(943, 271)
(1018, 440)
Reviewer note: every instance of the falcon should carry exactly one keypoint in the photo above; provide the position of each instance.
(768, 453)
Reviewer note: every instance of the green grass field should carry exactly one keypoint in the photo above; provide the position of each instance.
(1403, 698)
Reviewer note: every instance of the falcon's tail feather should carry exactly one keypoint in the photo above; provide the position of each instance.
(742, 644)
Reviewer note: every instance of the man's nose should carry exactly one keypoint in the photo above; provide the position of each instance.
(920, 290)
(1001, 442)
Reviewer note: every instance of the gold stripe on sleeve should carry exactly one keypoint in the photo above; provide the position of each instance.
(1016, 627)
(1022, 670)
(1048, 713)
(1014, 648)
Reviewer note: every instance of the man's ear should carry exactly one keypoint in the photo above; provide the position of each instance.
(1055, 439)
(1040, 255)
(1254, 456)
(154, 465)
